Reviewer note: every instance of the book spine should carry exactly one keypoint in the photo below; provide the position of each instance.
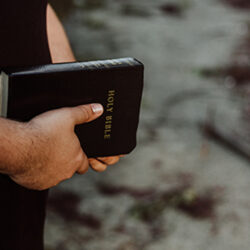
(4, 86)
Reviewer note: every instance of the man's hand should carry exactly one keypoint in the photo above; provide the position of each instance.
(55, 153)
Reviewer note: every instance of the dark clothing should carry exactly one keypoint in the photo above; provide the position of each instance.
(22, 215)
(23, 41)
(23, 38)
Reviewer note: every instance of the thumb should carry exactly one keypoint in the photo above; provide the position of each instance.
(86, 113)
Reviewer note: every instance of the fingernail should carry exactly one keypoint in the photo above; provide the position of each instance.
(97, 108)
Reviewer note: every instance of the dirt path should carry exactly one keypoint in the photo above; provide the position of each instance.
(178, 189)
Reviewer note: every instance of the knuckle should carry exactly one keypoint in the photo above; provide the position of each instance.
(84, 156)
(79, 159)
(85, 165)
(70, 114)
(83, 160)
(82, 163)
(86, 112)
(83, 169)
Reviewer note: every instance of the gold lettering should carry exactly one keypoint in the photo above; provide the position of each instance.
(107, 126)
(111, 100)
(110, 109)
(107, 137)
(112, 92)
(110, 104)
(108, 118)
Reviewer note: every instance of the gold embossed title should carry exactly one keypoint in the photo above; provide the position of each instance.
(106, 64)
(109, 114)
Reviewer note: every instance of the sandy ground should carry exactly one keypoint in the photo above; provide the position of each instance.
(178, 189)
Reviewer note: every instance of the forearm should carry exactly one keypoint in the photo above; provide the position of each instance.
(14, 146)
(59, 45)
(15, 143)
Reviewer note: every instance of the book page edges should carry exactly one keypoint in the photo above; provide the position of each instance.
(4, 86)
(73, 66)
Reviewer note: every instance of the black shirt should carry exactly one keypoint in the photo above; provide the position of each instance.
(23, 35)
(23, 42)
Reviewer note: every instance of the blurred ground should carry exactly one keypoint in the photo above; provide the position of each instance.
(180, 189)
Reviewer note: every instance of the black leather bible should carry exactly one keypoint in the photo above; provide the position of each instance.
(117, 84)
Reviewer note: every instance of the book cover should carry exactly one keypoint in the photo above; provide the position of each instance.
(117, 84)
